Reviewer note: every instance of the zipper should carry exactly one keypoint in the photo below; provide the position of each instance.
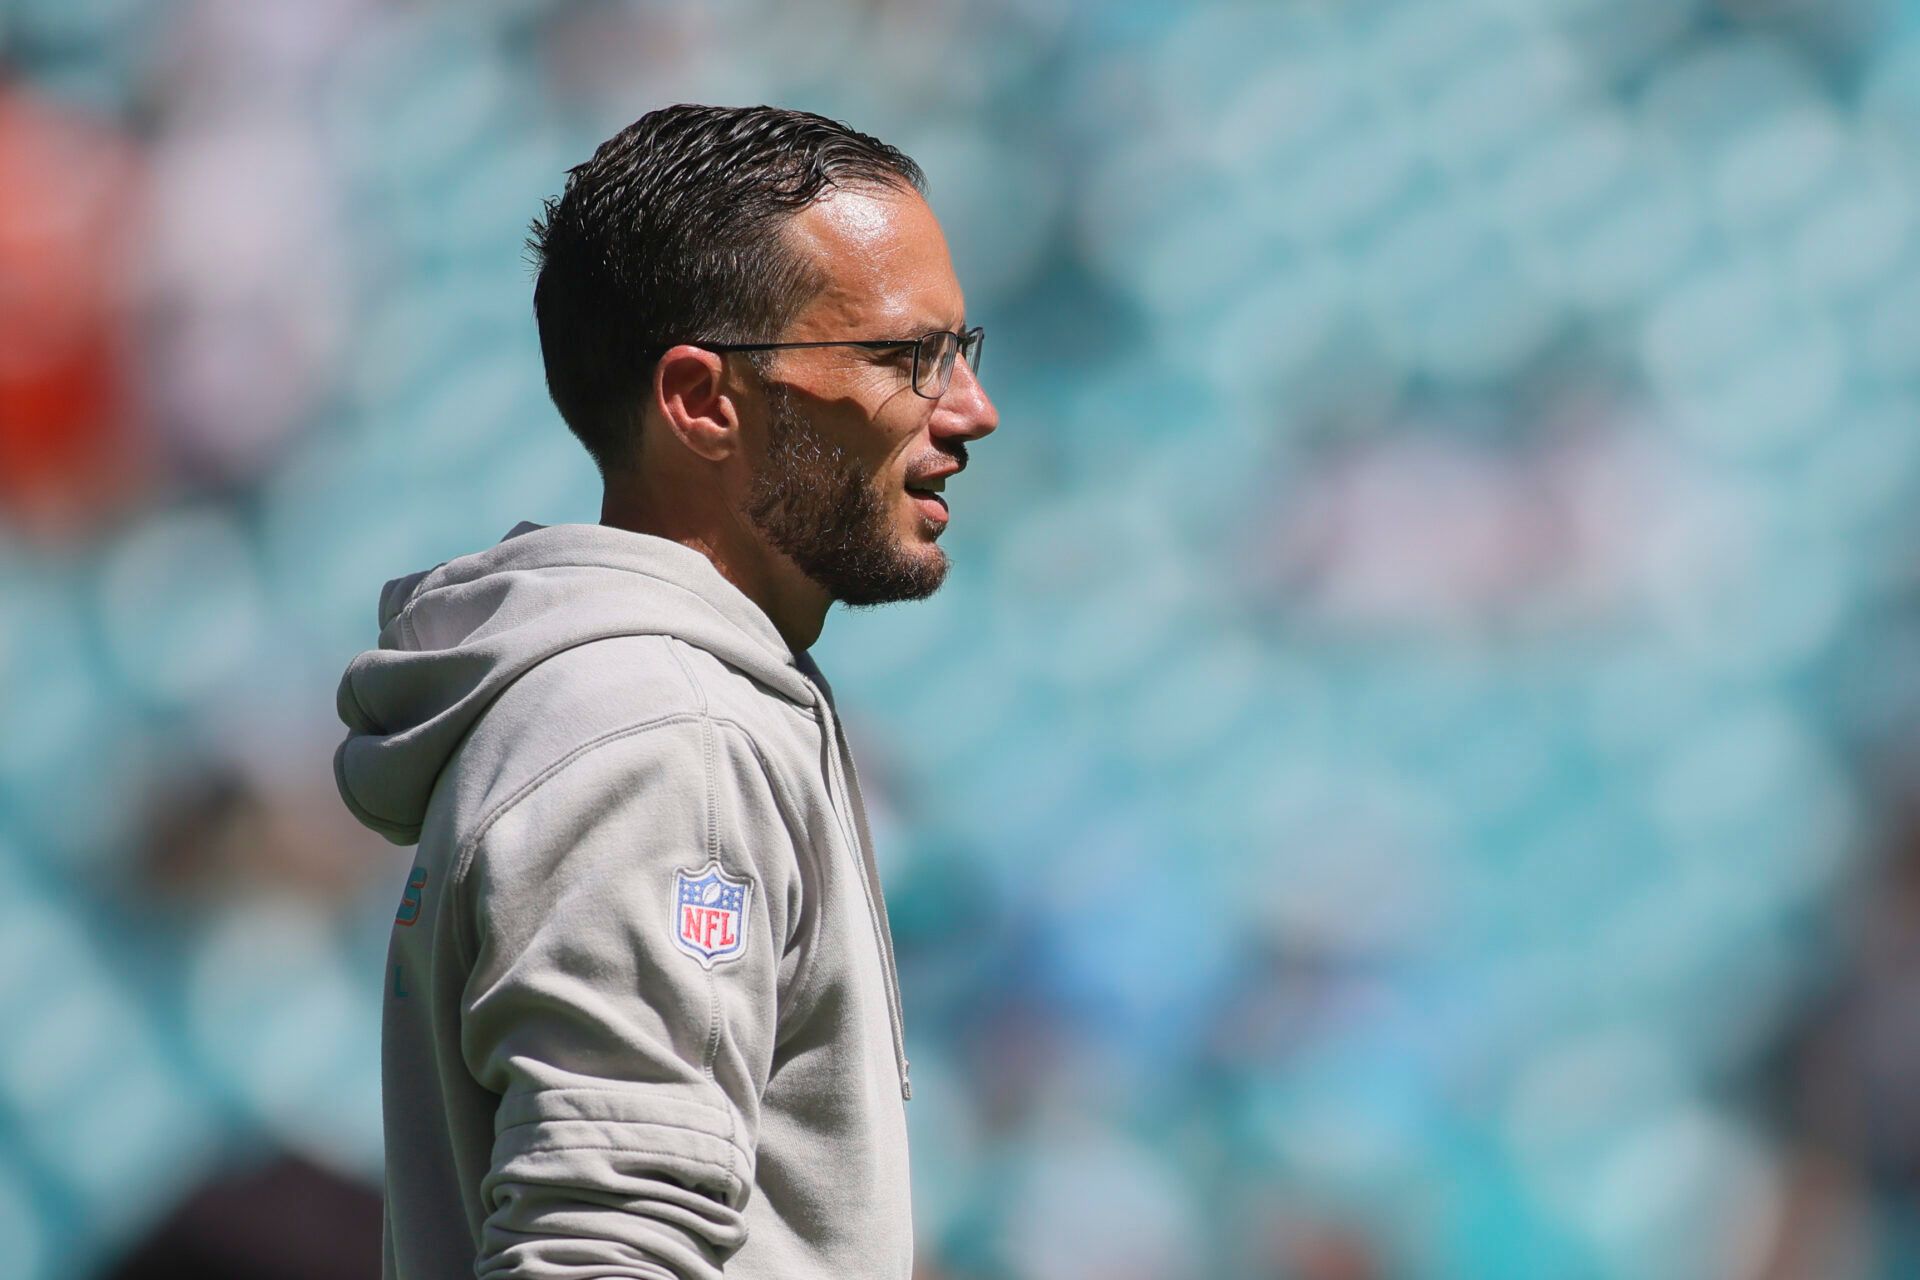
(862, 838)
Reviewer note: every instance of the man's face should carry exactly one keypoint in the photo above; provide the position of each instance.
(848, 470)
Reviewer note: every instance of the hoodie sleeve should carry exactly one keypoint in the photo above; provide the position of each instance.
(630, 917)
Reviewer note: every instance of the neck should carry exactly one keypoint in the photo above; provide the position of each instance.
(795, 604)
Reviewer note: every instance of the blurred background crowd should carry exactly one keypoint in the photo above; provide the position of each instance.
(1415, 771)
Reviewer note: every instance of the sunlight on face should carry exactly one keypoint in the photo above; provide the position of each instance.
(850, 475)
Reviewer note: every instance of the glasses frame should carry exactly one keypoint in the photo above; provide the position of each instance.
(969, 345)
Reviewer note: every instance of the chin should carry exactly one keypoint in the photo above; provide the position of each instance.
(930, 565)
(923, 554)
(915, 574)
(937, 557)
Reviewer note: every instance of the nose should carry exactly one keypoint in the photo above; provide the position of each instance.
(964, 412)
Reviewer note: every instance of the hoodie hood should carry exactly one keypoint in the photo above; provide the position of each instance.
(452, 638)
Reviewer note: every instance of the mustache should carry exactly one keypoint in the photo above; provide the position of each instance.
(956, 452)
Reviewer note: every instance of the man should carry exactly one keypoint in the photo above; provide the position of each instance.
(641, 1016)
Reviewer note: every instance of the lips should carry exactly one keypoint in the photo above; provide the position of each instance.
(927, 492)
(932, 505)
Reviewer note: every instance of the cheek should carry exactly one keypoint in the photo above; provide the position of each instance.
(878, 430)
(891, 450)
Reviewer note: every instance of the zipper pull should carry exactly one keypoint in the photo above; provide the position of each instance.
(906, 1084)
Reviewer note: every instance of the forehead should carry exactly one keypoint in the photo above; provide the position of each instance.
(884, 265)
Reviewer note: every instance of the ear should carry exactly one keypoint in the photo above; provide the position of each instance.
(690, 389)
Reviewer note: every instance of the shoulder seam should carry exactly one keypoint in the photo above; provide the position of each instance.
(463, 857)
(676, 644)
(774, 780)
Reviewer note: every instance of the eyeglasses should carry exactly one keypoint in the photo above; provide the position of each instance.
(933, 354)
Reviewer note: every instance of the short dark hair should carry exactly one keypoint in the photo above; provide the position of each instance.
(671, 233)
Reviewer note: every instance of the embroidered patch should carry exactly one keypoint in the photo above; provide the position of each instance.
(710, 914)
(410, 897)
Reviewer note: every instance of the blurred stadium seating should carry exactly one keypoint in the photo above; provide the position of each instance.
(1414, 772)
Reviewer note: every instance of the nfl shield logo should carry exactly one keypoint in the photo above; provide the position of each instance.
(710, 914)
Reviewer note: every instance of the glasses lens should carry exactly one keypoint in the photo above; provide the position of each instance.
(971, 346)
(933, 365)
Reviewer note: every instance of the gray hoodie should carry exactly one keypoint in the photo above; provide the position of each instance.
(641, 1018)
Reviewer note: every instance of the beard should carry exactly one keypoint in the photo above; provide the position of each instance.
(825, 511)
